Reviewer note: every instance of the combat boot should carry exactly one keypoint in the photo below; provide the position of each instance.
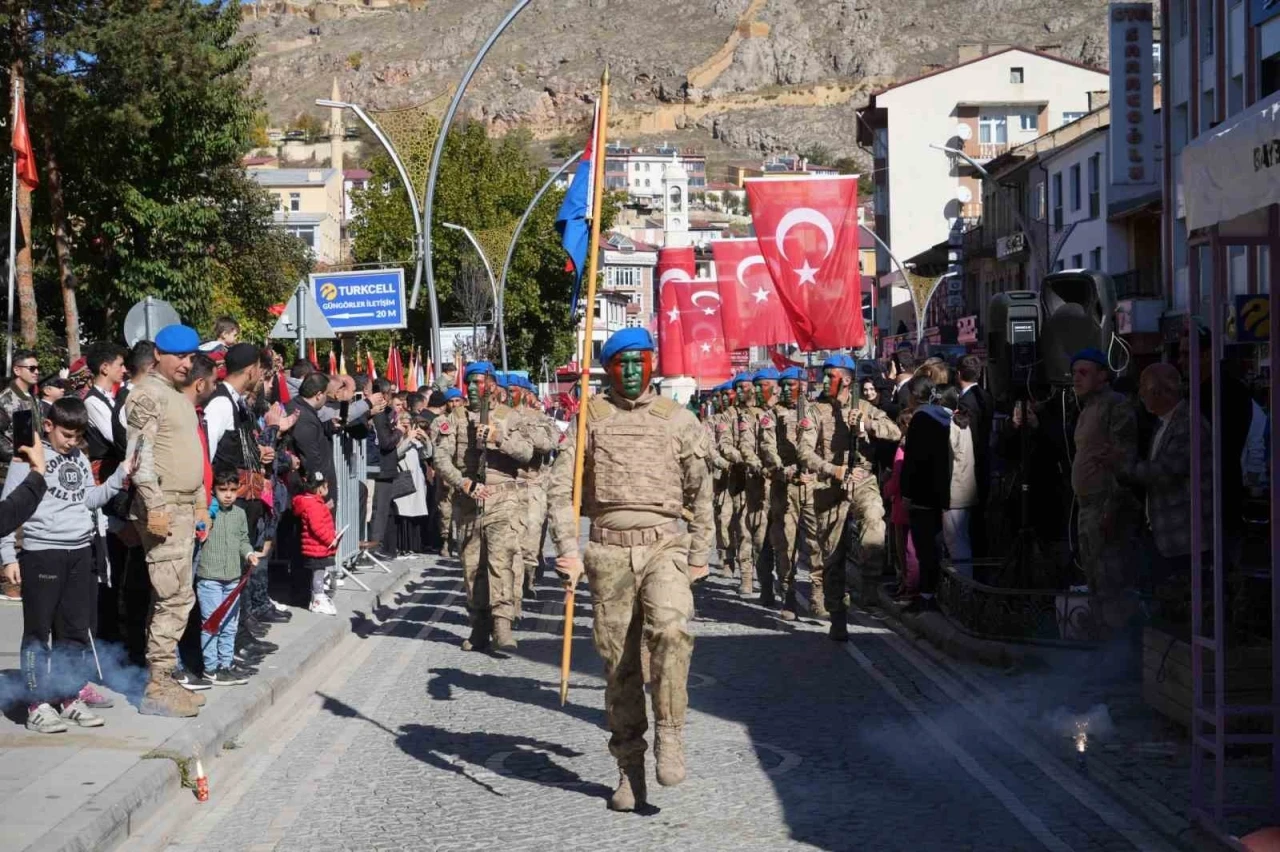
(746, 581)
(668, 748)
(839, 631)
(766, 595)
(631, 793)
(479, 638)
(788, 605)
(163, 697)
(817, 602)
(502, 638)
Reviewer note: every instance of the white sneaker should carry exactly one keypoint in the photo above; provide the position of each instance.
(78, 713)
(321, 605)
(43, 719)
(279, 607)
(339, 581)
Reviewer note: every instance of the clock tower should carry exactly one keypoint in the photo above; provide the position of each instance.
(675, 205)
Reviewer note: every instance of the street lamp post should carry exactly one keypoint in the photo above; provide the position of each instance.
(1017, 214)
(493, 284)
(429, 204)
(433, 307)
(906, 282)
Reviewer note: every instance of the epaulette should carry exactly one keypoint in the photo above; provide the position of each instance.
(599, 408)
(664, 408)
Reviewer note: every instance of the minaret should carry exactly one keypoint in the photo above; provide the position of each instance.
(335, 130)
(675, 205)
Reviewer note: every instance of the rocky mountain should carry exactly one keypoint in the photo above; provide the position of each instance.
(758, 76)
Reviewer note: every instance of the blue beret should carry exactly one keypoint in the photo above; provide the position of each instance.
(452, 394)
(626, 340)
(502, 380)
(1093, 355)
(766, 374)
(794, 373)
(749, 378)
(177, 340)
(840, 360)
(482, 367)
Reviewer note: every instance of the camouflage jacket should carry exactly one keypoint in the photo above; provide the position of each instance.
(829, 435)
(11, 400)
(458, 452)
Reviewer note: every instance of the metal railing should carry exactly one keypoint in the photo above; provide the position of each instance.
(1138, 284)
(349, 463)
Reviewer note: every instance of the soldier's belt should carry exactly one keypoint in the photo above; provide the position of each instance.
(507, 485)
(633, 538)
(187, 496)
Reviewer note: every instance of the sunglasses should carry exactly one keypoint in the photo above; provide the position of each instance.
(35, 368)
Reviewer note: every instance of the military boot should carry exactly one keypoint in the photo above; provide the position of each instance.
(817, 601)
(163, 697)
(502, 638)
(839, 631)
(668, 748)
(746, 581)
(479, 639)
(766, 595)
(789, 605)
(631, 793)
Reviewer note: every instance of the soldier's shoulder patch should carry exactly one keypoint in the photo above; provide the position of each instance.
(599, 408)
(806, 423)
(444, 427)
(721, 428)
(564, 439)
(663, 407)
(766, 421)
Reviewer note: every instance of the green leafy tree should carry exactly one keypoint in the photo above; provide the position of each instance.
(818, 155)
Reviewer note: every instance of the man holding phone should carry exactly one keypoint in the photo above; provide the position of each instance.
(18, 396)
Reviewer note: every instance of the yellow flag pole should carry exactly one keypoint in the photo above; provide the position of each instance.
(584, 360)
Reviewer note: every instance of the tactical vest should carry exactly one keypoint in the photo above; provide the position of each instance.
(101, 446)
(631, 459)
(785, 424)
(237, 447)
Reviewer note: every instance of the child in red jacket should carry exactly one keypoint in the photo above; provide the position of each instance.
(319, 538)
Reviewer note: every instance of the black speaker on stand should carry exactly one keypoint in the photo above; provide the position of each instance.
(1078, 311)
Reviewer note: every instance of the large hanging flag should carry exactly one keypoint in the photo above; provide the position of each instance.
(24, 156)
(706, 352)
(674, 266)
(807, 229)
(753, 313)
(572, 221)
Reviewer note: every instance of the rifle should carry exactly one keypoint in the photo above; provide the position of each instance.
(482, 466)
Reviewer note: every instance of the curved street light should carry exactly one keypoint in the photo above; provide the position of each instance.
(432, 307)
(493, 285)
(524, 217)
(445, 124)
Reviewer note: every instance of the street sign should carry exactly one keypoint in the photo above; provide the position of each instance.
(146, 318)
(301, 306)
(365, 300)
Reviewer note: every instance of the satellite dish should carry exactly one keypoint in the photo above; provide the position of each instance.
(964, 131)
(147, 317)
(963, 194)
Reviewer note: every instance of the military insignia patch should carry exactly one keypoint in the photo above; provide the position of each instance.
(444, 428)
(720, 428)
(563, 438)
(765, 421)
(805, 423)
(742, 426)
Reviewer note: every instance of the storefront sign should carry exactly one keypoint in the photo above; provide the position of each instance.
(1233, 169)
(1252, 319)
(1014, 244)
(967, 329)
(1132, 134)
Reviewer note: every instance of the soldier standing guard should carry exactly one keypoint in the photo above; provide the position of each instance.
(791, 515)
(833, 445)
(639, 564)
(489, 505)
(169, 501)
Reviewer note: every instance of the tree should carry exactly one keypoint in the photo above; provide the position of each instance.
(312, 127)
(818, 154)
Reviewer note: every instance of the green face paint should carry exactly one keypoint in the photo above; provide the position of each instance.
(630, 372)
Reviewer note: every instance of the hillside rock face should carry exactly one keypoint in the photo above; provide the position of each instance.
(761, 76)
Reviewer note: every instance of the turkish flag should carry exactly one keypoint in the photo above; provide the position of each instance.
(24, 156)
(753, 314)
(674, 265)
(706, 351)
(807, 229)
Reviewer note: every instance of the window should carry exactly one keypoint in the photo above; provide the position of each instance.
(992, 129)
(1077, 261)
(1156, 54)
(1206, 28)
(1027, 121)
(1095, 189)
(1041, 202)
(1015, 75)
(646, 182)
(596, 346)
(1059, 266)
(1075, 187)
(1057, 201)
(295, 201)
(1068, 117)
(306, 233)
(1095, 259)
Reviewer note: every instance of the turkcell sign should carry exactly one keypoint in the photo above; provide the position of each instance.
(367, 300)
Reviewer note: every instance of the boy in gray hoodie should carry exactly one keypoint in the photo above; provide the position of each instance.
(57, 571)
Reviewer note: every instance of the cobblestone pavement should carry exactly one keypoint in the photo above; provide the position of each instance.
(405, 742)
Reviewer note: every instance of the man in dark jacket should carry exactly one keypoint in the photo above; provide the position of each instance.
(387, 439)
(310, 436)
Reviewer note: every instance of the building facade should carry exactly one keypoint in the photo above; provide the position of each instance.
(638, 171)
(309, 206)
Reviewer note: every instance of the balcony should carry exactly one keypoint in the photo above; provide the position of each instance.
(1138, 284)
(984, 151)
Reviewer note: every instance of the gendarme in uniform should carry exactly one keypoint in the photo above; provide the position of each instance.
(645, 467)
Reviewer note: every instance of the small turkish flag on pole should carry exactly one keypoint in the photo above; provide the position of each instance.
(24, 157)
(807, 229)
(675, 265)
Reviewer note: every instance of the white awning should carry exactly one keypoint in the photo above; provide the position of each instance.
(1234, 169)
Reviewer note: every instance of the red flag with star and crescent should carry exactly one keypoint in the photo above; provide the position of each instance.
(807, 230)
(674, 265)
(706, 351)
(753, 314)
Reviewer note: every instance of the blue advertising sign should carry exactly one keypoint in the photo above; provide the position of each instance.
(366, 300)
(1263, 10)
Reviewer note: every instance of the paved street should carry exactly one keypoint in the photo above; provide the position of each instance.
(402, 741)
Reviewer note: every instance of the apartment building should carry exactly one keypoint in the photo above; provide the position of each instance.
(310, 206)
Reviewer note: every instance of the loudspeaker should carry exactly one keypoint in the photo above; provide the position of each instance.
(1078, 310)
(1013, 326)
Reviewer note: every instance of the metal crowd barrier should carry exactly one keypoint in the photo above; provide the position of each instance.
(348, 514)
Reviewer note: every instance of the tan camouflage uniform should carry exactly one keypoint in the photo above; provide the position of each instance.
(489, 535)
(827, 441)
(546, 439)
(792, 519)
(721, 502)
(729, 442)
(646, 467)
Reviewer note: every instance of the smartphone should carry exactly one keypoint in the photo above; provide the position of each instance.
(24, 428)
(359, 395)
(344, 408)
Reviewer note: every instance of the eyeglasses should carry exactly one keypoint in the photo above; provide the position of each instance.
(35, 368)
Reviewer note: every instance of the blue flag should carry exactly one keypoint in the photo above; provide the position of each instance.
(572, 222)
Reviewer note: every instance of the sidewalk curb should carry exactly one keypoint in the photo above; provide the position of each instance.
(935, 628)
(108, 818)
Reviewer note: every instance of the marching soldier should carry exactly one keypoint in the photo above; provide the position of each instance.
(791, 515)
(833, 445)
(481, 463)
(546, 439)
(735, 445)
(720, 477)
(759, 482)
(444, 492)
(639, 563)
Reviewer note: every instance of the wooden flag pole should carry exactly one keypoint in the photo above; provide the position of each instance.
(584, 362)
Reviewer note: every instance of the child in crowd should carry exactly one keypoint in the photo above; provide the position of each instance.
(319, 539)
(222, 558)
(56, 569)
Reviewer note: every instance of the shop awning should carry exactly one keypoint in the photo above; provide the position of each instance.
(1233, 169)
